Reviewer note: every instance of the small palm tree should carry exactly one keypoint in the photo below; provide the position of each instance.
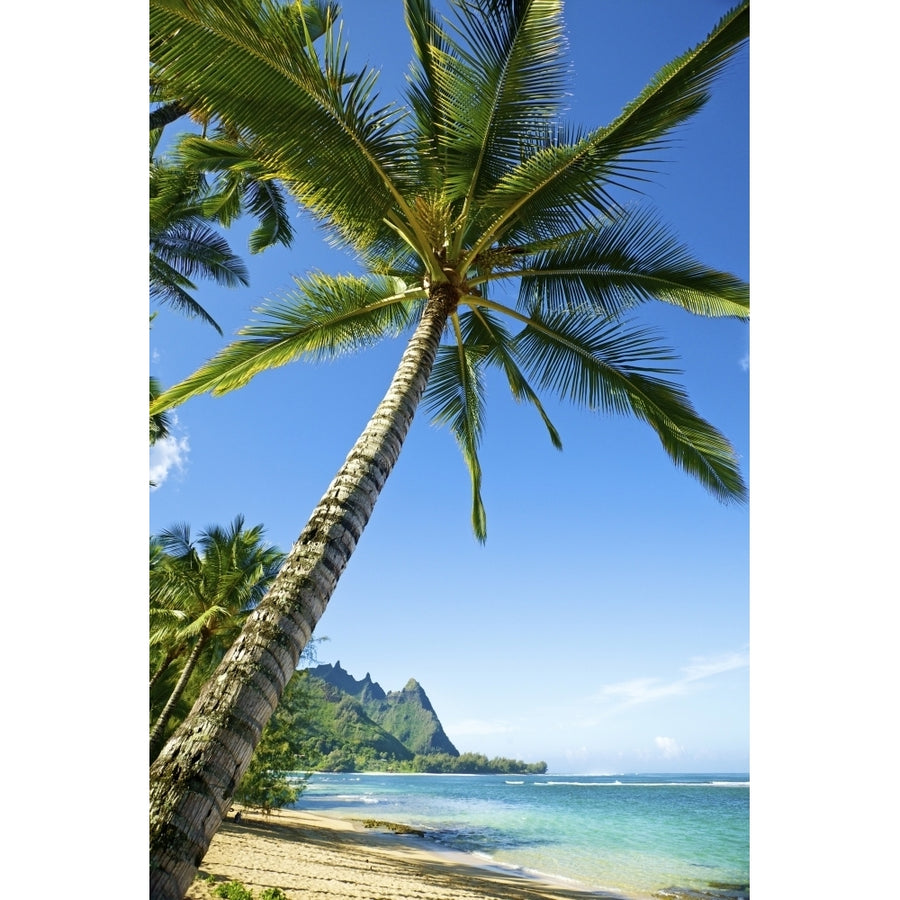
(200, 594)
(489, 231)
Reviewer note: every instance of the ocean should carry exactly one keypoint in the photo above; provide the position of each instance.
(673, 836)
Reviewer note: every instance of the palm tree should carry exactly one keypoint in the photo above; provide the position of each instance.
(483, 221)
(207, 587)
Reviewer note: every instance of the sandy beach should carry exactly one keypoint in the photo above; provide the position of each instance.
(318, 857)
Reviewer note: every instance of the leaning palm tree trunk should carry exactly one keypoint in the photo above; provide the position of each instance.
(195, 775)
(158, 732)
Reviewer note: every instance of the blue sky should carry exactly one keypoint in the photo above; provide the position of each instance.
(604, 626)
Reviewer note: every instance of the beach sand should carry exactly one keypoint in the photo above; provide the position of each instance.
(318, 857)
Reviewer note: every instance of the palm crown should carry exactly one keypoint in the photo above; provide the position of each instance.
(474, 184)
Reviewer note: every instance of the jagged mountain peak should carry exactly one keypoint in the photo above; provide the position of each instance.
(406, 714)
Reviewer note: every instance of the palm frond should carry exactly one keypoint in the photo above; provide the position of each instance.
(199, 250)
(614, 368)
(170, 287)
(427, 103)
(314, 124)
(612, 266)
(534, 191)
(241, 187)
(503, 78)
(176, 541)
(561, 186)
(455, 398)
(265, 201)
(488, 331)
(679, 89)
(324, 317)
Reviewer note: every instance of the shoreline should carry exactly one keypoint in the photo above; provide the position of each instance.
(315, 856)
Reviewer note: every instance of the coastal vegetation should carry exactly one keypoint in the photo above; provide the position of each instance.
(473, 185)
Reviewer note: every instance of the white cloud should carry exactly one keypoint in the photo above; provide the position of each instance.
(166, 455)
(706, 668)
(744, 362)
(668, 747)
(642, 690)
(645, 690)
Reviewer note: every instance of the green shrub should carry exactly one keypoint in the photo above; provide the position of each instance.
(234, 890)
(273, 894)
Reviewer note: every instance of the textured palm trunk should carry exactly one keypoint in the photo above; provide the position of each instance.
(158, 732)
(194, 777)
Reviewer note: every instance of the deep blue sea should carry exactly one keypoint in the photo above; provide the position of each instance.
(636, 835)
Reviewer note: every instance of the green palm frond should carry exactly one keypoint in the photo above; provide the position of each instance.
(560, 186)
(503, 78)
(534, 193)
(614, 265)
(679, 89)
(241, 187)
(169, 286)
(426, 100)
(183, 244)
(614, 368)
(317, 15)
(488, 331)
(455, 398)
(187, 249)
(324, 317)
(175, 542)
(198, 250)
(389, 255)
(265, 201)
(318, 129)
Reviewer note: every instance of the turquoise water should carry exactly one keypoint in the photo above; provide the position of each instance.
(638, 835)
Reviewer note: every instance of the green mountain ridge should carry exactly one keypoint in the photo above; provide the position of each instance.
(406, 715)
(354, 725)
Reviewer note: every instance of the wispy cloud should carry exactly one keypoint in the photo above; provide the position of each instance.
(744, 361)
(646, 690)
(705, 668)
(642, 690)
(166, 456)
